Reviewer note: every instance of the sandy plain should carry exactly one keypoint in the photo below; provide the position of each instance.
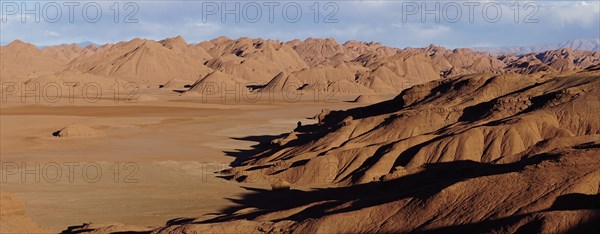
(153, 161)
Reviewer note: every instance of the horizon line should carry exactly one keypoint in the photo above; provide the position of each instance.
(304, 39)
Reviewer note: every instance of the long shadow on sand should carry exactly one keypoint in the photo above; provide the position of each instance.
(307, 133)
(263, 144)
(420, 186)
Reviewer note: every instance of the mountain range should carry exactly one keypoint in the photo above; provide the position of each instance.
(312, 64)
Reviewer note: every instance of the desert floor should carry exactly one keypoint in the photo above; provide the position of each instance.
(153, 162)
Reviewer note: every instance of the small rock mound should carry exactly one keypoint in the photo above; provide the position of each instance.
(280, 185)
(367, 99)
(76, 130)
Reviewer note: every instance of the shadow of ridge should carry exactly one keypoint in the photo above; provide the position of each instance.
(308, 133)
(263, 145)
(576, 201)
(76, 229)
(419, 186)
(177, 221)
(480, 110)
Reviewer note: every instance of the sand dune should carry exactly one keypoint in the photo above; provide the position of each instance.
(143, 61)
(21, 61)
(69, 52)
(283, 82)
(255, 60)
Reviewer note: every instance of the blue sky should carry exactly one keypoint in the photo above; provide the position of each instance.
(394, 23)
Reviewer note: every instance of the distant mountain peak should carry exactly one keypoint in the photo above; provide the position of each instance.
(20, 45)
(575, 44)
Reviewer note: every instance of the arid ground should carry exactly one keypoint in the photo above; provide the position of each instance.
(167, 151)
(251, 136)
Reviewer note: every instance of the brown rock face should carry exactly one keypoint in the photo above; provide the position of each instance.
(553, 192)
(472, 143)
(484, 118)
(470, 154)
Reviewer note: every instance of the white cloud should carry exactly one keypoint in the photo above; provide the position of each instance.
(482, 44)
(427, 32)
(371, 3)
(52, 33)
(396, 25)
(358, 20)
(570, 13)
